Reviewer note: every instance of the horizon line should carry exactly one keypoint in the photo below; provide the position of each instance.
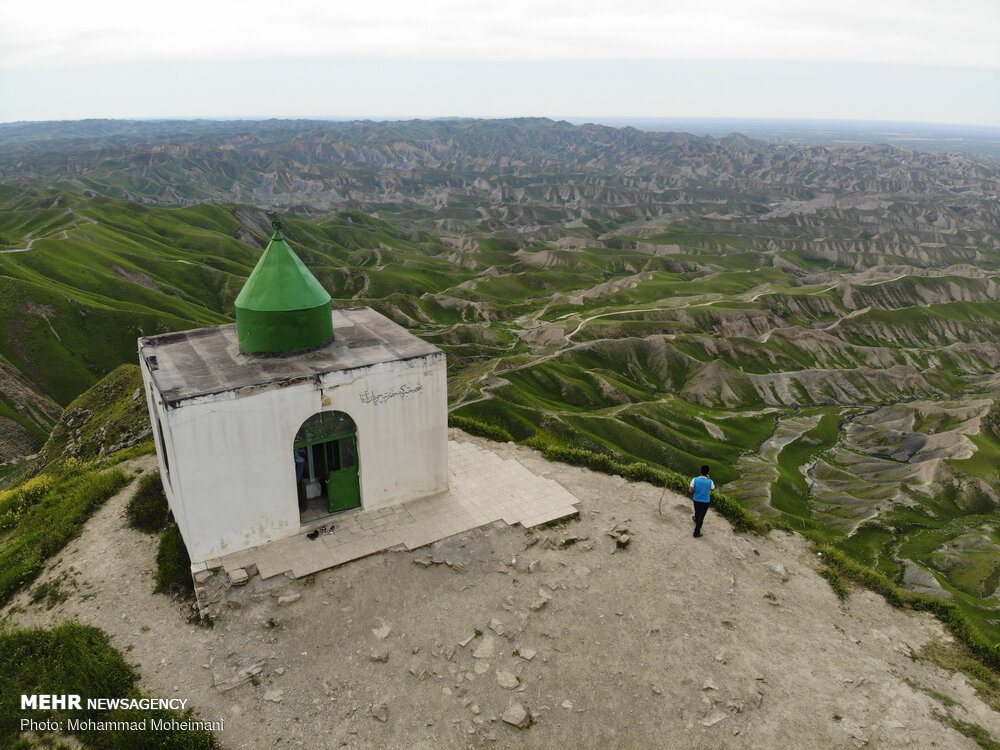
(572, 119)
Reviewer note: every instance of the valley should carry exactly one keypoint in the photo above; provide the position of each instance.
(819, 324)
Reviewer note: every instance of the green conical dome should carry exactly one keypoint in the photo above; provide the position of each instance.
(282, 307)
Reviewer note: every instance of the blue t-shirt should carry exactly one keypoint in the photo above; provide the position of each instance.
(703, 487)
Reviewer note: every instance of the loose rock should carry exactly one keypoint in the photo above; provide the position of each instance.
(274, 696)
(506, 680)
(288, 599)
(238, 577)
(486, 648)
(777, 568)
(381, 712)
(516, 715)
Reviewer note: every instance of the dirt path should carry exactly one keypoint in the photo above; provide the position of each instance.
(724, 641)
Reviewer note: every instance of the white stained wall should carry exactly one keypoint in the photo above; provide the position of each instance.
(231, 477)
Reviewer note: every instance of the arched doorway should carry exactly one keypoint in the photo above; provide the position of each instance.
(326, 465)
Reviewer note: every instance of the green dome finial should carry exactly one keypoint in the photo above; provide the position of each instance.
(282, 307)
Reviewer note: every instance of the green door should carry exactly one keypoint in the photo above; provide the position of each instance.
(343, 490)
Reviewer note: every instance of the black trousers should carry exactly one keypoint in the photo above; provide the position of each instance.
(700, 509)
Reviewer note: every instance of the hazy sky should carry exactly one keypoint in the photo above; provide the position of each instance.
(924, 60)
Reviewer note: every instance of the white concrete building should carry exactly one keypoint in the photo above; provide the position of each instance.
(256, 447)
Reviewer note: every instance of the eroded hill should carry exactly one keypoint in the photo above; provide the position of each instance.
(819, 324)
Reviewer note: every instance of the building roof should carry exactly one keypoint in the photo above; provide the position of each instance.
(282, 307)
(207, 361)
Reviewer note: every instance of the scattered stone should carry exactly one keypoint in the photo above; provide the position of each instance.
(777, 568)
(657, 691)
(474, 707)
(527, 653)
(380, 711)
(279, 671)
(383, 632)
(506, 680)
(203, 575)
(582, 570)
(486, 648)
(481, 667)
(537, 604)
(709, 685)
(446, 690)
(496, 626)
(457, 567)
(516, 715)
(288, 599)
(544, 593)
(714, 719)
(379, 655)
(234, 605)
(238, 577)
(225, 684)
(274, 696)
(534, 566)
(621, 537)
(501, 568)
(419, 672)
(467, 641)
(422, 561)
(568, 705)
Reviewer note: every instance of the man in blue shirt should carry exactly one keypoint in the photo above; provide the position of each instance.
(701, 491)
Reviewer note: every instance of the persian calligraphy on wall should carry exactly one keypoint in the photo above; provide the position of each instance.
(377, 398)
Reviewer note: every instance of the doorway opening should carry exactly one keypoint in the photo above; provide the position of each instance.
(326, 465)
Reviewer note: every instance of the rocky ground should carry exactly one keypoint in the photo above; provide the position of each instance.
(554, 638)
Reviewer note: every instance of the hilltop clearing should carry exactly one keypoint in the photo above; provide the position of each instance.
(726, 641)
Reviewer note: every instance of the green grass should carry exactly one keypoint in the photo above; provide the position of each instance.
(42, 515)
(173, 564)
(74, 659)
(147, 509)
(110, 416)
(790, 494)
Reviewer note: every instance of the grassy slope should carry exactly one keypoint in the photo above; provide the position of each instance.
(669, 383)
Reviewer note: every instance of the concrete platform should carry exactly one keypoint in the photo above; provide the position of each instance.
(484, 488)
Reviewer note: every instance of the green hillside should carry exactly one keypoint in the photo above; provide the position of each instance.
(844, 398)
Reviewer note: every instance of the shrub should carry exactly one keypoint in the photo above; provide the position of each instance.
(836, 583)
(173, 565)
(481, 429)
(147, 510)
